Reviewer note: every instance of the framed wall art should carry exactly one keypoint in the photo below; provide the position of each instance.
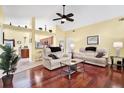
(9, 42)
(93, 40)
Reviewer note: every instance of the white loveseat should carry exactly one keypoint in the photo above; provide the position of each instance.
(50, 63)
(90, 57)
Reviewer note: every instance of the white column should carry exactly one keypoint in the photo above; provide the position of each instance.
(33, 38)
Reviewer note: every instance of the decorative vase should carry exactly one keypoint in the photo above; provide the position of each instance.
(25, 26)
(40, 28)
(50, 31)
(7, 81)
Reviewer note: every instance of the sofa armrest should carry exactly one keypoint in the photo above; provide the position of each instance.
(47, 58)
(105, 56)
(47, 62)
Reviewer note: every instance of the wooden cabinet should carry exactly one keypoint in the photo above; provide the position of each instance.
(24, 53)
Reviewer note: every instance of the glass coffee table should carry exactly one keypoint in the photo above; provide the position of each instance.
(72, 66)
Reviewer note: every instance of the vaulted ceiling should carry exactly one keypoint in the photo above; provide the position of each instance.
(83, 14)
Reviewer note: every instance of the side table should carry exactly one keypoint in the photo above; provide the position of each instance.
(117, 57)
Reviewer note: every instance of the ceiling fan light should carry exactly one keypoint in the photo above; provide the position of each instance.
(64, 20)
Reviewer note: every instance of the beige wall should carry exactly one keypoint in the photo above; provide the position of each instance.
(108, 31)
(60, 36)
(1, 15)
(38, 37)
(18, 34)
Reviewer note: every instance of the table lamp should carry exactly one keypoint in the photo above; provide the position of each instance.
(118, 46)
(72, 49)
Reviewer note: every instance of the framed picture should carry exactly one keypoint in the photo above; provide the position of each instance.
(93, 40)
(9, 42)
(38, 45)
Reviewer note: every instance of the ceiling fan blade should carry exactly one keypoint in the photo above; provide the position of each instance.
(69, 19)
(57, 19)
(70, 15)
(59, 14)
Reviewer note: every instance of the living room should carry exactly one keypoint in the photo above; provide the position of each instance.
(35, 36)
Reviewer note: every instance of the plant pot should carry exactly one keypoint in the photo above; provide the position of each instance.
(7, 81)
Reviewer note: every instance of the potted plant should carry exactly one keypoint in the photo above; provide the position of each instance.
(8, 62)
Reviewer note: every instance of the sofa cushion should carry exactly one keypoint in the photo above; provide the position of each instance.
(90, 49)
(59, 54)
(94, 59)
(90, 53)
(53, 56)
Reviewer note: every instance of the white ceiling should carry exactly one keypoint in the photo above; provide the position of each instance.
(83, 14)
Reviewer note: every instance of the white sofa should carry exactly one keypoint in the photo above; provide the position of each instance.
(50, 63)
(90, 57)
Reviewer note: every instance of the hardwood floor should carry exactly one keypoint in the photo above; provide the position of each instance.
(92, 77)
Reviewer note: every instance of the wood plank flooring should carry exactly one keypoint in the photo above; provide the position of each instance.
(92, 77)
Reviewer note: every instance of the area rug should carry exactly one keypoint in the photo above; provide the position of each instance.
(24, 65)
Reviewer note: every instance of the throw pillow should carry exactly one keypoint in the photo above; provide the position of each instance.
(55, 49)
(100, 54)
(53, 56)
(90, 49)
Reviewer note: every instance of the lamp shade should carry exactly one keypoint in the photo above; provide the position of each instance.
(118, 44)
(63, 19)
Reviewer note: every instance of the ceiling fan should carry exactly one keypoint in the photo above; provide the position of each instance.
(64, 17)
